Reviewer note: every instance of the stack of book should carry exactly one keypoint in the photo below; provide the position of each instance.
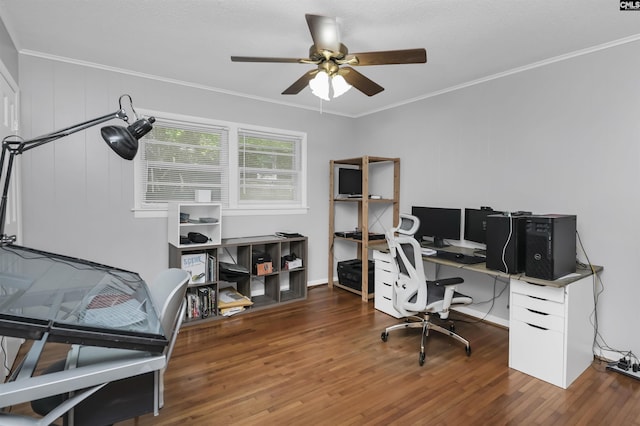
(201, 302)
(231, 301)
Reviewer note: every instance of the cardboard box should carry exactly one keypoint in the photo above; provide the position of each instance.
(293, 264)
(264, 268)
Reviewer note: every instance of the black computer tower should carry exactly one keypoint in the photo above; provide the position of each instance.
(551, 246)
(506, 243)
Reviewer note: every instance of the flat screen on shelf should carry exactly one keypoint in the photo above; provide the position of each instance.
(349, 181)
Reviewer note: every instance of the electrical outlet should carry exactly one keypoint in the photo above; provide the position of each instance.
(625, 367)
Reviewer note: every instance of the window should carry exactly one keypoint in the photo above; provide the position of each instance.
(247, 169)
(269, 169)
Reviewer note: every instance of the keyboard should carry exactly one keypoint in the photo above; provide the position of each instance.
(459, 257)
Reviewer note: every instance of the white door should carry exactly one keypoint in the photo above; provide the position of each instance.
(9, 126)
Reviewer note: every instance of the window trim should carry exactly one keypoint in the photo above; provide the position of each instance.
(235, 208)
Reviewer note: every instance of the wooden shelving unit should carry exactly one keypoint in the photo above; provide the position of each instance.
(279, 286)
(362, 205)
(202, 260)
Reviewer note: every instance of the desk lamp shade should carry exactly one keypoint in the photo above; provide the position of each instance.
(125, 141)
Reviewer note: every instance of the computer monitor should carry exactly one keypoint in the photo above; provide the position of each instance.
(475, 224)
(438, 223)
(349, 181)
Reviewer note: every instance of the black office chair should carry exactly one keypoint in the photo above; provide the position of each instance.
(134, 396)
(414, 297)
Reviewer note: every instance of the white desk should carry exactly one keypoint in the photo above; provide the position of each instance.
(550, 330)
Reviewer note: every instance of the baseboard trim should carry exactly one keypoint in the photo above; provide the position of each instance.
(482, 316)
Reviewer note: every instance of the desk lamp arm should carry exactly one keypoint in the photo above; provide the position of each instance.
(19, 146)
(123, 141)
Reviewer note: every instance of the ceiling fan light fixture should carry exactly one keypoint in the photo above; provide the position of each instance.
(340, 85)
(326, 87)
(329, 54)
(320, 85)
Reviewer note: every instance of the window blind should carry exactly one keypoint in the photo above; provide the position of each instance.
(269, 168)
(179, 158)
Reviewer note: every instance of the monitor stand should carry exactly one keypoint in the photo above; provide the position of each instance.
(436, 243)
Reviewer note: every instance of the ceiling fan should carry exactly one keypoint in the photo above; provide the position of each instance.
(335, 62)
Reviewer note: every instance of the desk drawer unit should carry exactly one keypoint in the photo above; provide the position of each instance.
(550, 334)
(385, 275)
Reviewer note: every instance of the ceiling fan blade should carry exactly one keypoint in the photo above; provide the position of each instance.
(300, 84)
(407, 56)
(324, 32)
(360, 82)
(259, 59)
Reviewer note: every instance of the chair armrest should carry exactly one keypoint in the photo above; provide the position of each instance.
(447, 281)
(450, 289)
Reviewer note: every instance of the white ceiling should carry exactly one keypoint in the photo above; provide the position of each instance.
(190, 41)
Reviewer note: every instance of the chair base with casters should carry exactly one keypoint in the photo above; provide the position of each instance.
(425, 325)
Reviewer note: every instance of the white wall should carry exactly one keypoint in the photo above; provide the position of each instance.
(563, 138)
(78, 195)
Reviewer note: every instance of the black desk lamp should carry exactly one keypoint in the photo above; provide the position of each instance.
(124, 141)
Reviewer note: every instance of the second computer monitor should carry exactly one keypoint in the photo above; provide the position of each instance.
(475, 224)
(438, 223)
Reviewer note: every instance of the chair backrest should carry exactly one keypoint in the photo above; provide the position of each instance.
(167, 292)
(176, 330)
(410, 289)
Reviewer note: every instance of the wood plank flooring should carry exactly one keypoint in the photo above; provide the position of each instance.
(322, 362)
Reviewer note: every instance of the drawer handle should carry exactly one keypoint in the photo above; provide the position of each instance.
(386, 298)
(536, 297)
(536, 326)
(537, 312)
(388, 285)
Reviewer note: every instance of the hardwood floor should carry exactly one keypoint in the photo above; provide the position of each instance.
(322, 362)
